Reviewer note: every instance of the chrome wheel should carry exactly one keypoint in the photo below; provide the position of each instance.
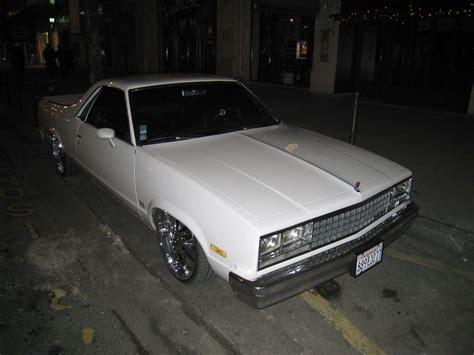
(59, 158)
(178, 245)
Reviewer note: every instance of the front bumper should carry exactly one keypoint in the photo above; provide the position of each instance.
(308, 273)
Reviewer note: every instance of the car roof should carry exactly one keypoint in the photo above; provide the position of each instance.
(145, 80)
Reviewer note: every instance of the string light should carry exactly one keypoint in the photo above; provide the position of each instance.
(393, 15)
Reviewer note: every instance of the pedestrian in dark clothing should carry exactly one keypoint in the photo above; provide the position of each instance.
(62, 61)
(50, 58)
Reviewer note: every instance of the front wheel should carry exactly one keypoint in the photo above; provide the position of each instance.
(182, 254)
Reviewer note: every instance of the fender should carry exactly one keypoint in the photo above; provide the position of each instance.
(217, 265)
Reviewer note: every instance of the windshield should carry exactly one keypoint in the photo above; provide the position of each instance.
(176, 112)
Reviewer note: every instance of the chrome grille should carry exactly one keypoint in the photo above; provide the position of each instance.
(347, 247)
(348, 221)
(332, 227)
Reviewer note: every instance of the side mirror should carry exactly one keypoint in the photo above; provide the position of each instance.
(107, 134)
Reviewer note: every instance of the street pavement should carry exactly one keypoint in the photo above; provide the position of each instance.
(79, 274)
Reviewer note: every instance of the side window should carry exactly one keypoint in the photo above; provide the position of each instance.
(83, 113)
(109, 111)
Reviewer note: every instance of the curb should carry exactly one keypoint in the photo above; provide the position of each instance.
(348, 97)
(450, 237)
(440, 112)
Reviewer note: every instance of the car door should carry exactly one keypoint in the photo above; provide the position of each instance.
(111, 162)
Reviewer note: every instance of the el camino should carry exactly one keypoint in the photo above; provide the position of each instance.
(229, 189)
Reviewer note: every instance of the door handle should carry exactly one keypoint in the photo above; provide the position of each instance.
(78, 138)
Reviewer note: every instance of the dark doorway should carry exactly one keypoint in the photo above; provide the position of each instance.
(189, 36)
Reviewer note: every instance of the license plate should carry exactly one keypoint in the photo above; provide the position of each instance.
(368, 259)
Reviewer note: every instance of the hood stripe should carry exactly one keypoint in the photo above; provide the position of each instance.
(351, 156)
(279, 193)
(301, 159)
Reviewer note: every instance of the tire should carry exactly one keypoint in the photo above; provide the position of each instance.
(181, 252)
(60, 161)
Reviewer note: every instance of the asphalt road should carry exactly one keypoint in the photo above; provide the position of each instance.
(79, 274)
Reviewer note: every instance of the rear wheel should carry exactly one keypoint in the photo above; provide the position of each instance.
(61, 163)
(181, 251)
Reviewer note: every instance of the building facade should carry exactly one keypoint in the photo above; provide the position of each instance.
(327, 46)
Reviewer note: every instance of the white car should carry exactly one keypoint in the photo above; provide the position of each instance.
(229, 189)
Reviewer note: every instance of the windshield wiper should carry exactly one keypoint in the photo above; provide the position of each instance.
(173, 138)
(211, 132)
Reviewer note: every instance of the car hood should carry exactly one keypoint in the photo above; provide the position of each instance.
(280, 174)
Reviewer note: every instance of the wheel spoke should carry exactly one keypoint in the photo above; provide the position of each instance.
(58, 155)
(178, 246)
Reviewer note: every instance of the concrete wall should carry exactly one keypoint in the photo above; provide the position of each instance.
(344, 58)
(255, 43)
(470, 109)
(323, 73)
(369, 45)
(147, 36)
(234, 25)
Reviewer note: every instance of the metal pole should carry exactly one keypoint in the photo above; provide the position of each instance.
(354, 119)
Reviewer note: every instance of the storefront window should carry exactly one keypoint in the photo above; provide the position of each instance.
(189, 35)
(285, 46)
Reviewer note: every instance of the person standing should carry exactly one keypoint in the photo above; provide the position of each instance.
(49, 57)
(62, 61)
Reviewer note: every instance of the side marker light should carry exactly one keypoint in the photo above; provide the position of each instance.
(218, 251)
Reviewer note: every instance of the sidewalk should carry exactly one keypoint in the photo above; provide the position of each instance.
(437, 146)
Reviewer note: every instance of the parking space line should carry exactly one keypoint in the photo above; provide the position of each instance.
(33, 233)
(350, 332)
(87, 335)
(428, 263)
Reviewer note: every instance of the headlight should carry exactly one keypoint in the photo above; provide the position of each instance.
(297, 237)
(280, 246)
(270, 243)
(400, 193)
